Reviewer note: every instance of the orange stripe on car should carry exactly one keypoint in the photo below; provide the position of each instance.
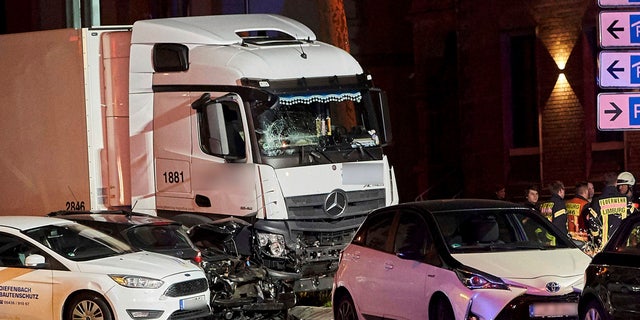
(12, 273)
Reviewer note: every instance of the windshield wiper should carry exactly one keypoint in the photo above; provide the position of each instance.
(316, 153)
(361, 149)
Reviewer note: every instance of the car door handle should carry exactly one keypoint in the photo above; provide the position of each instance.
(388, 265)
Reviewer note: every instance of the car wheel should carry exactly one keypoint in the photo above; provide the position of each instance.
(345, 309)
(595, 311)
(88, 306)
(441, 310)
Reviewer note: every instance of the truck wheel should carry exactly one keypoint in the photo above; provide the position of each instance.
(190, 220)
(88, 306)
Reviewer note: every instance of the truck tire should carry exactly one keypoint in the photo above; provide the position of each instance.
(190, 220)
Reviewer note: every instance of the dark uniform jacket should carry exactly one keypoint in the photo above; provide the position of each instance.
(555, 210)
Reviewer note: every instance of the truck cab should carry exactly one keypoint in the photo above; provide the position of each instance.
(251, 116)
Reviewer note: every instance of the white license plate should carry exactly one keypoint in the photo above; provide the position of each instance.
(193, 303)
(553, 309)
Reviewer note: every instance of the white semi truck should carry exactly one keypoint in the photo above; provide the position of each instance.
(199, 118)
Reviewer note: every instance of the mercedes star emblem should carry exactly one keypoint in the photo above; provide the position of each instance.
(335, 203)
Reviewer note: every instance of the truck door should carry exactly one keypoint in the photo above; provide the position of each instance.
(223, 179)
(25, 291)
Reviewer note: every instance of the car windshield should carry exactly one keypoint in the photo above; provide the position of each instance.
(77, 242)
(159, 237)
(498, 229)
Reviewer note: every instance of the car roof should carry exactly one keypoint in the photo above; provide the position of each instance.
(461, 205)
(29, 222)
(118, 217)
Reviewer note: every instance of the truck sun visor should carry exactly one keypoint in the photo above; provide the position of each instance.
(323, 98)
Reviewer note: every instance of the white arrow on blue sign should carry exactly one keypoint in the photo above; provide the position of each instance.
(619, 29)
(619, 111)
(619, 69)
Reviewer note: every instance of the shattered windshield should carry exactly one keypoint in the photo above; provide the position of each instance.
(318, 124)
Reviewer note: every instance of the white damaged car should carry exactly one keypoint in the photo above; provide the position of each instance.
(460, 259)
(57, 269)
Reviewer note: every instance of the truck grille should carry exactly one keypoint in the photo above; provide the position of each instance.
(312, 239)
(312, 206)
(187, 288)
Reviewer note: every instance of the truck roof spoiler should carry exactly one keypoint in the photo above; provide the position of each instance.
(215, 30)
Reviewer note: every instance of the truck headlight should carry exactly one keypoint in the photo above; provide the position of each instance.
(136, 281)
(272, 244)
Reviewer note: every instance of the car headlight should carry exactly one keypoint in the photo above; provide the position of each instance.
(272, 244)
(477, 280)
(136, 281)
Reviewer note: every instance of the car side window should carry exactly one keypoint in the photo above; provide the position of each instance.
(14, 251)
(411, 234)
(632, 242)
(413, 239)
(374, 232)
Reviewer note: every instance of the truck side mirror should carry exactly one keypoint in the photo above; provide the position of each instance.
(379, 98)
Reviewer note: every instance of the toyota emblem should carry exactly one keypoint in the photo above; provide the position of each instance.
(553, 287)
(335, 203)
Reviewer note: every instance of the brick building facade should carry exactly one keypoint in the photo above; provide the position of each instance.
(506, 94)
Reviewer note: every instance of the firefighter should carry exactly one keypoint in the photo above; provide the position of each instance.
(609, 209)
(625, 183)
(555, 209)
(575, 208)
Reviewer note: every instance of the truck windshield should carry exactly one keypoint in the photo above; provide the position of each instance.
(321, 127)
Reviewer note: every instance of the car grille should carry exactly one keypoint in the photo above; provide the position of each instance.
(519, 308)
(190, 314)
(187, 287)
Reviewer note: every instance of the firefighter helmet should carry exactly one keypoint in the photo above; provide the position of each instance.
(626, 178)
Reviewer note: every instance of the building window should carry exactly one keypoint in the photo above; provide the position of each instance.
(523, 90)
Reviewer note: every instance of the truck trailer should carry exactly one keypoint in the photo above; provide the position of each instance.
(197, 119)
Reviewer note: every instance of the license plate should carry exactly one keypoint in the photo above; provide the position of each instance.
(553, 309)
(193, 303)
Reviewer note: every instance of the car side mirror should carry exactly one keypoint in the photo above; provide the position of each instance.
(35, 261)
(410, 253)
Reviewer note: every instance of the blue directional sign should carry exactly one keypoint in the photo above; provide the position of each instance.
(619, 69)
(619, 111)
(619, 29)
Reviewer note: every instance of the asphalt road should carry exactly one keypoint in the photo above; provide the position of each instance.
(310, 313)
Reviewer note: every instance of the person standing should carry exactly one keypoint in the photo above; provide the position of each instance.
(500, 192)
(575, 208)
(531, 197)
(625, 183)
(592, 190)
(607, 211)
(555, 209)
